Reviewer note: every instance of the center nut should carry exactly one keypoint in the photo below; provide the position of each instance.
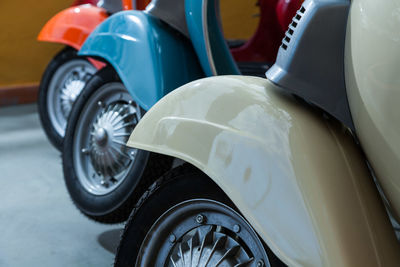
(101, 136)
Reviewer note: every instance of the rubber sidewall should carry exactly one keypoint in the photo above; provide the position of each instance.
(102, 208)
(185, 183)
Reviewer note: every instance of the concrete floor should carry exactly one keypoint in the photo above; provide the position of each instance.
(39, 225)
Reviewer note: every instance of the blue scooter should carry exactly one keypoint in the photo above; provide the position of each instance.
(148, 54)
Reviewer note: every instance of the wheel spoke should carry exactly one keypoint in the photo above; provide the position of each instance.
(125, 125)
(207, 238)
(121, 153)
(119, 142)
(121, 134)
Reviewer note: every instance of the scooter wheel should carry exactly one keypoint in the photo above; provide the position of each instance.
(104, 177)
(62, 81)
(184, 219)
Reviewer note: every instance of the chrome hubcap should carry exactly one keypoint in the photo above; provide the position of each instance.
(208, 246)
(201, 233)
(100, 137)
(65, 86)
(109, 134)
(71, 90)
(101, 158)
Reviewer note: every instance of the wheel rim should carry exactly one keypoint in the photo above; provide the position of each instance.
(65, 86)
(101, 158)
(201, 233)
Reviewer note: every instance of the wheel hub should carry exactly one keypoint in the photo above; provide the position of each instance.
(110, 132)
(101, 137)
(71, 89)
(65, 86)
(209, 246)
(201, 233)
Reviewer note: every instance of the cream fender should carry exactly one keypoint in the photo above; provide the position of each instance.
(299, 179)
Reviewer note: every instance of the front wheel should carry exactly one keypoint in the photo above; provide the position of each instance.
(184, 219)
(103, 176)
(63, 80)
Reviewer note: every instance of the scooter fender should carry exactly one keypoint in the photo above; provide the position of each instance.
(150, 57)
(73, 25)
(299, 179)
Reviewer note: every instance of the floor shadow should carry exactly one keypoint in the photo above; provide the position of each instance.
(109, 240)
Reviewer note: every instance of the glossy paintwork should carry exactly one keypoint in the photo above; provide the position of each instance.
(127, 4)
(373, 87)
(207, 38)
(73, 25)
(150, 58)
(298, 178)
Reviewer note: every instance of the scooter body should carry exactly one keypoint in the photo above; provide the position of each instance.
(373, 90)
(285, 154)
(164, 54)
(297, 175)
(197, 20)
(148, 54)
(152, 59)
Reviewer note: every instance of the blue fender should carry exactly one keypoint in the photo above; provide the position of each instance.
(151, 58)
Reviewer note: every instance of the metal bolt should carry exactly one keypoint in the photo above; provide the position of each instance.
(130, 102)
(236, 228)
(133, 153)
(85, 151)
(200, 219)
(100, 104)
(260, 263)
(172, 238)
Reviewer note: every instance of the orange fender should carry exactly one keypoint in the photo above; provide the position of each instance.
(73, 25)
(127, 4)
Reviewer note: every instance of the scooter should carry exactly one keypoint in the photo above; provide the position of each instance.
(298, 169)
(166, 46)
(67, 73)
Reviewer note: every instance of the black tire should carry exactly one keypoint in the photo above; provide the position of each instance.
(176, 186)
(115, 206)
(65, 55)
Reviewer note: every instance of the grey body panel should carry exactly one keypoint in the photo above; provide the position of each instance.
(171, 12)
(310, 61)
(112, 6)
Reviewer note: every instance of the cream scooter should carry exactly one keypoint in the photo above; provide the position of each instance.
(274, 179)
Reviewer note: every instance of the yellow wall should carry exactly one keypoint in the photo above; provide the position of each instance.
(22, 58)
(239, 18)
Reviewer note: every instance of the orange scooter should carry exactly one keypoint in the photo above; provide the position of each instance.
(67, 73)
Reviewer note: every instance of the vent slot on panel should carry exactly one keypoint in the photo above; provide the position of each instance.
(295, 21)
